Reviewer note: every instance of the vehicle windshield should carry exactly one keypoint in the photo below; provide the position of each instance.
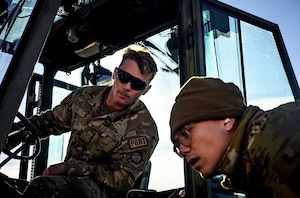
(13, 21)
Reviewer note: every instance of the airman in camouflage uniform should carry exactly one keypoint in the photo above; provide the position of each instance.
(112, 135)
(258, 151)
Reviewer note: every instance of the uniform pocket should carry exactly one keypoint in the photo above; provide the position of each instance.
(102, 136)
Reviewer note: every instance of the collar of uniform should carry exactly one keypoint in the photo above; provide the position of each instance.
(101, 93)
(234, 150)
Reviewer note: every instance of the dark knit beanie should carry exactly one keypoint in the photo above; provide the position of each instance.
(203, 98)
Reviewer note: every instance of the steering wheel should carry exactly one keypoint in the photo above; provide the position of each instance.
(30, 138)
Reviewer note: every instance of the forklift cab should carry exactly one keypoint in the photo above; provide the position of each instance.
(49, 48)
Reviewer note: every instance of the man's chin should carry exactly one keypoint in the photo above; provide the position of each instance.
(205, 175)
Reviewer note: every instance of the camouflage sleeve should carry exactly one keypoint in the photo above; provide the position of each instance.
(117, 179)
(51, 122)
(45, 124)
(274, 148)
(126, 164)
(74, 167)
(57, 120)
(131, 155)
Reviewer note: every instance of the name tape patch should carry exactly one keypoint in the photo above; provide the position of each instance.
(111, 133)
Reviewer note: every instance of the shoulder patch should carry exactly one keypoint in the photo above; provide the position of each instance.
(136, 159)
(78, 110)
(138, 142)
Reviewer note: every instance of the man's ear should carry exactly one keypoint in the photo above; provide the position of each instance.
(114, 73)
(229, 123)
(147, 89)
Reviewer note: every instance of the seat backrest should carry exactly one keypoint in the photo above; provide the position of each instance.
(142, 181)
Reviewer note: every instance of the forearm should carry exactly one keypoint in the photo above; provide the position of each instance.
(51, 122)
(117, 179)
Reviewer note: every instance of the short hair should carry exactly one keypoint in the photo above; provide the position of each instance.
(144, 60)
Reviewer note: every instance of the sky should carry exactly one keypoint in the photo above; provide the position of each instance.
(284, 13)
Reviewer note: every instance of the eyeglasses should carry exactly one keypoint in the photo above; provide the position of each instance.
(125, 77)
(184, 138)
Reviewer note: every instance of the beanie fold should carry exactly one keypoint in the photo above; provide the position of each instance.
(202, 98)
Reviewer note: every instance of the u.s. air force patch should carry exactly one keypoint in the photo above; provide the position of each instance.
(136, 159)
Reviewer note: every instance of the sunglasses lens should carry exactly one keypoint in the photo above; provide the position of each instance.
(137, 84)
(125, 77)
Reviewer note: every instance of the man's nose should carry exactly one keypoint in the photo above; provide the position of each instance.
(127, 85)
(184, 149)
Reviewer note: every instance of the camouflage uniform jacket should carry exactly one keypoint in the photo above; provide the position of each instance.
(113, 148)
(264, 157)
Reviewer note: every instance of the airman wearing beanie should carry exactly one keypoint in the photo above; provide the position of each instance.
(203, 98)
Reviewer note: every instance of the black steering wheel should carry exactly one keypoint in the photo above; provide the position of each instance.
(29, 138)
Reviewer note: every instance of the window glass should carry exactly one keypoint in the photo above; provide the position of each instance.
(58, 144)
(12, 167)
(14, 22)
(12, 26)
(222, 48)
(266, 82)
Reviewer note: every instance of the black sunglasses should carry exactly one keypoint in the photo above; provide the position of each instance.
(125, 77)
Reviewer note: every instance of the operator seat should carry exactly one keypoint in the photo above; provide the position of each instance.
(140, 188)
